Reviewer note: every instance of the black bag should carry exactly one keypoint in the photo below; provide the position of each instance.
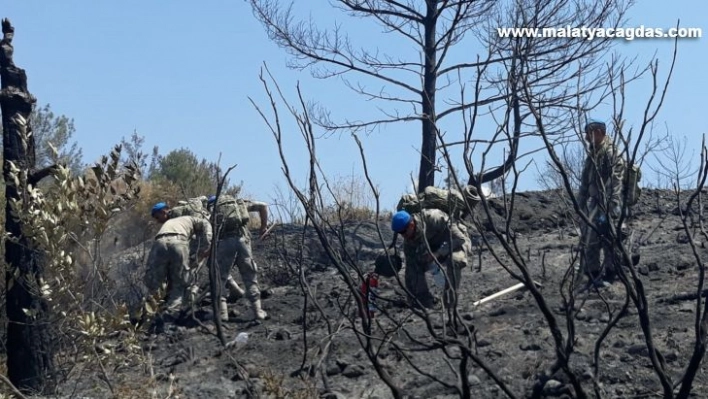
(385, 268)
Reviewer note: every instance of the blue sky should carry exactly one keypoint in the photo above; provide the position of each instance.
(180, 73)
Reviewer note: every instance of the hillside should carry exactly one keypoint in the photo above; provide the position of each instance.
(510, 334)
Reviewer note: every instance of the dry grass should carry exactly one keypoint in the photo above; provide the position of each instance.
(347, 212)
(279, 275)
(274, 387)
(348, 199)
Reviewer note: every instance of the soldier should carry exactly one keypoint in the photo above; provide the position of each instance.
(234, 247)
(196, 207)
(600, 198)
(169, 256)
(431, 235)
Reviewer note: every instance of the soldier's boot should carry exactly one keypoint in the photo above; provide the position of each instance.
(235, 291)
(223, 310)
(258, 312)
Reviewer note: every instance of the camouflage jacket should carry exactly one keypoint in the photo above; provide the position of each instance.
(243, 231)
(601, 181)
(435, 227)
(188, 226)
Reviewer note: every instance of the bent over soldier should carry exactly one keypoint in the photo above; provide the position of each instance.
(169, 255)
(600, 197)
(431, 235)
(234, 248)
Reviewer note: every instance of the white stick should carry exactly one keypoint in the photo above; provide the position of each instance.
(500, 293)
(265, 234)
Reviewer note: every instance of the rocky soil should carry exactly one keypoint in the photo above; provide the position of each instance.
(511, 335)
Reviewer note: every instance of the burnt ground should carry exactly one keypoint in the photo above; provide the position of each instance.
(512, 336)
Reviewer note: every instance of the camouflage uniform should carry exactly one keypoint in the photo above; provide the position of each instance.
(447, 237)
(235, 248)
(169, 257)
(197, 244)
(600, 195)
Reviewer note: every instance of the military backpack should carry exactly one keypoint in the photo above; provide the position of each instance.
(450, 201)
(190, 207)
(231, 214)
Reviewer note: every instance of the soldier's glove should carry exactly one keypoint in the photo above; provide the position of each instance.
(602, 224)
(603, 219)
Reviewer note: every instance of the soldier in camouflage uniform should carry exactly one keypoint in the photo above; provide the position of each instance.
(234, 248)
(169, 256)
(430, 235)
(600, 197)
(196, 207)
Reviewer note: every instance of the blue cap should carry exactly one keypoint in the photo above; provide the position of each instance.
(158, 207)
(211, 199)
(400, 220)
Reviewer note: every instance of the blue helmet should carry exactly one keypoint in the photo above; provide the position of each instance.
(400, 220)
(158, 207)
(211, 199)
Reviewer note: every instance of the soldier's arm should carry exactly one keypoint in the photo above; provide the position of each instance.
(262, 209)
(616, 180)
(203, 227)
(454, 237)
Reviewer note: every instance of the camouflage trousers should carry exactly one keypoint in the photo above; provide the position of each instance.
(417, 284)
(236, 250)
(169, 261)
(598, 252)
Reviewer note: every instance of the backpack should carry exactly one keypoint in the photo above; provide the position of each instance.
(190, 207)
(633, 175)
(451, 201)
(231, 213)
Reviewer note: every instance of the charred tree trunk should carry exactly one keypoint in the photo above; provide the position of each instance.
(515, 82)
(30, 351)
(428, 148)
(503, 169)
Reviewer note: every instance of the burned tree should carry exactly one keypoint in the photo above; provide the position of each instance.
(30, 350)
(433, 81)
